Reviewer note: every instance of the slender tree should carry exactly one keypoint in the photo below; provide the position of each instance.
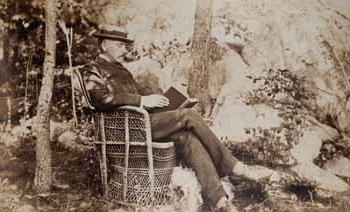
(43, 172)
(199, 73)
(6, 45)
(6, 40)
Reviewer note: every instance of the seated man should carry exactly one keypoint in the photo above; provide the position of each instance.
(110, 85)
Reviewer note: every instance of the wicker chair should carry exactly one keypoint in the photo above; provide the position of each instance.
(134, 170)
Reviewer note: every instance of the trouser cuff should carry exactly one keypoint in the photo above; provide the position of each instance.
(216, 195)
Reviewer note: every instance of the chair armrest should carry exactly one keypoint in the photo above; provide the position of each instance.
(134, 108)
(138, 110)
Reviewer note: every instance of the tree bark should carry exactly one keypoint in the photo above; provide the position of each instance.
(6, 45)
(43, 171)
(6, 40)
(199, 73)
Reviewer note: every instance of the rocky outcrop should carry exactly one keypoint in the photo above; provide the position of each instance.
(307, 150)
(339, 166)
(308, 172)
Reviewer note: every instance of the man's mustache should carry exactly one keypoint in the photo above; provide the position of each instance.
(130, 56)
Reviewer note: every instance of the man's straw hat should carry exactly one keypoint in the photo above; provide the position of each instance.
(112, 33)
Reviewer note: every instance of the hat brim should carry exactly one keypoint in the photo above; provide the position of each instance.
(113, 37)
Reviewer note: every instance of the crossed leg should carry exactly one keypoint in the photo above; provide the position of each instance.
(198, 148)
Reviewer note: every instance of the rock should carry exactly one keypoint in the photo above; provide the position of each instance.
(56, 129)
(323, 193)
(71, 140)
(187, 190)
(310, 143)
(230, 114)
(25, 208)
(85, 204)
(9, 140)
(338, 166)
(321, 178)
(308, 147)
(325, 132)
(67, 139)
(235, 116)
(147, 73)
(228, 187)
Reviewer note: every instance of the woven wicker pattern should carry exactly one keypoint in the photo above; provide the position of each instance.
(138, 178)
(132, 178)
(115, 126)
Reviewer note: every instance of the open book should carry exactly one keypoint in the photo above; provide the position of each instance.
(177, 100)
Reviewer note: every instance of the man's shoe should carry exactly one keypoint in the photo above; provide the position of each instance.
(228, 207)
(254, 173)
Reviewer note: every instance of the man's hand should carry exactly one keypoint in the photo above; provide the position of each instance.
(154, 100)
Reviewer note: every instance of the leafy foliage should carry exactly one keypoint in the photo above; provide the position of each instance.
(267, 149)
(291, 95)
(25, 26)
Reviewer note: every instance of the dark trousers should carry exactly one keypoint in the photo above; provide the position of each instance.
(197, 146)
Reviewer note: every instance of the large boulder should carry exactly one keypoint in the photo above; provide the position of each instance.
(320, 178)
(271, 41)
(187, 190)
(231, 115)
(235, 117)
(310, 143)
(307, 149)
(322, 39)
(153, 22)
(339, 166)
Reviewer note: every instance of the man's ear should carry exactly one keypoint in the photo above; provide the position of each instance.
(104, 45)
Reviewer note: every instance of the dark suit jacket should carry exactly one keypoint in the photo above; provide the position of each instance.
(109, 85)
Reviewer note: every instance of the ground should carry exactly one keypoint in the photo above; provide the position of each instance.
(75, 188)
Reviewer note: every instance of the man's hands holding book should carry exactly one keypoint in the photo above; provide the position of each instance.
(172, 99)
(154, 100)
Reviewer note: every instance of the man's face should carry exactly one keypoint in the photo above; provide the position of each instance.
(114, 48)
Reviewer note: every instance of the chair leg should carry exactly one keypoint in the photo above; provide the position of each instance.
(103, 158)
(104, 172)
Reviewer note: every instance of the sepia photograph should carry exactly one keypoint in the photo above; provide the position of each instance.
(174, 105)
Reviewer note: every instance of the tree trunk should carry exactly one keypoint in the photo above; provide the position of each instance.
(6, 40)
(6, 45)
(43, 171)
(199, 73)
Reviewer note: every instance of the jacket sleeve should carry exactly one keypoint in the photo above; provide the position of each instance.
(143, 90)
(101, 96)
